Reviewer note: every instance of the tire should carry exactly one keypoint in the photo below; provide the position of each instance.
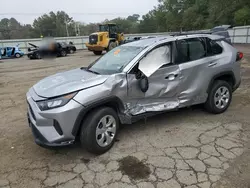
(219, 97)
(92, 124)
(71, 51)
(38, 56)
(63, 53)
(17, 55)
(111, 46)
(97, 52)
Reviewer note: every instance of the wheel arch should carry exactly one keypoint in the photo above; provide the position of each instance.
(113, 102)
(227, 76)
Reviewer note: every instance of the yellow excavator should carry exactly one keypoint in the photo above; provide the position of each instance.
(107, 38)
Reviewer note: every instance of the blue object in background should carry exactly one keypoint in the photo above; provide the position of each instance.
(10, 52)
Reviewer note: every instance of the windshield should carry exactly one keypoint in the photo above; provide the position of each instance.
(115, 60)
(103, 28)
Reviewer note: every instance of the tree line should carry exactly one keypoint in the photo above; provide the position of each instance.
(168, 15)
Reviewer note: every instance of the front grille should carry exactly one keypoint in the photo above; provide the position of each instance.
(93, 39)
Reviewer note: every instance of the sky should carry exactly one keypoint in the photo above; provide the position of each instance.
(81, 10)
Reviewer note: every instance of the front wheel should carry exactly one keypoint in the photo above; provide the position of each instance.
(97, 52)
(63, 53)
(111, 46)
(99, 130)
(38, 56)
(219, 97)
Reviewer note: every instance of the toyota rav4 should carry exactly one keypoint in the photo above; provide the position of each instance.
(133, 81)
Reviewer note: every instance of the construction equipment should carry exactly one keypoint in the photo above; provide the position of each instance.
(107, 38)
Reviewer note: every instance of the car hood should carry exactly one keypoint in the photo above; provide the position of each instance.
(67, 82)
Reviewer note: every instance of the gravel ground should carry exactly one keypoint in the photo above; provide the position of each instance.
(188, 148)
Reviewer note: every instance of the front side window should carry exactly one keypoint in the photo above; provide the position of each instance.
(155, 59)
(115, 60)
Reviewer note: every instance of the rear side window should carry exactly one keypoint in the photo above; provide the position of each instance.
(190, 50)
(183, 54)
(196, 49)
(213, 48)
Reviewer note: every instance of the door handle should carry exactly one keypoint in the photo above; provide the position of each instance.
(171, 76)
(212, 64)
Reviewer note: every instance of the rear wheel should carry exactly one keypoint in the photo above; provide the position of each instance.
(97, 52)
(111, 46)
(17, 55)
(219, 97)
(99, 130)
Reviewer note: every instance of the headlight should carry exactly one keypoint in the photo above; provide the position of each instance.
(56, 102)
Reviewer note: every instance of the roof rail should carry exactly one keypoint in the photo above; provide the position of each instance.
(191, 33)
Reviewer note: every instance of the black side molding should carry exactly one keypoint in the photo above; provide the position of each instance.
(226, 73)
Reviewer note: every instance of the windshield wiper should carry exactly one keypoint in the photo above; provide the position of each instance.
(87, 69)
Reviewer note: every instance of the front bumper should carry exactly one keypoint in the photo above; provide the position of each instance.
(52, 127)
(41, 141)
(95, 47)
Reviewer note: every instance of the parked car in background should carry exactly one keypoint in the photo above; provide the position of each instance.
(11, 52)
(70, 47)
(131, 82)
(52, 49)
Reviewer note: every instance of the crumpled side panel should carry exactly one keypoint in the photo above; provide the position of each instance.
(140, 107)
(160, 96)
(114, 86)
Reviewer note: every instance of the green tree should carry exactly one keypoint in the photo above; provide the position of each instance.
(54, 24)
(242, 16)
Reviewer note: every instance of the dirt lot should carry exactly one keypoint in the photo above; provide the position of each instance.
(189, 148)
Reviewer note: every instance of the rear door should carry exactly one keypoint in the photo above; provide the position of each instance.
(195, 65)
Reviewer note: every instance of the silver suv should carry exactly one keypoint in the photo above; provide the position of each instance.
(131, 82)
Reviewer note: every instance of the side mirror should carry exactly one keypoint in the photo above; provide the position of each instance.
(143, 84)
(29, 49)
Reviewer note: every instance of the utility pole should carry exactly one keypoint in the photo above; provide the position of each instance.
(75, 29)
(79, 34)
(67, 31)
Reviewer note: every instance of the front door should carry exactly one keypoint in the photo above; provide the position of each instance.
(163, 78)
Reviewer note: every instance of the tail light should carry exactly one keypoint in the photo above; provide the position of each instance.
(239, 56)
